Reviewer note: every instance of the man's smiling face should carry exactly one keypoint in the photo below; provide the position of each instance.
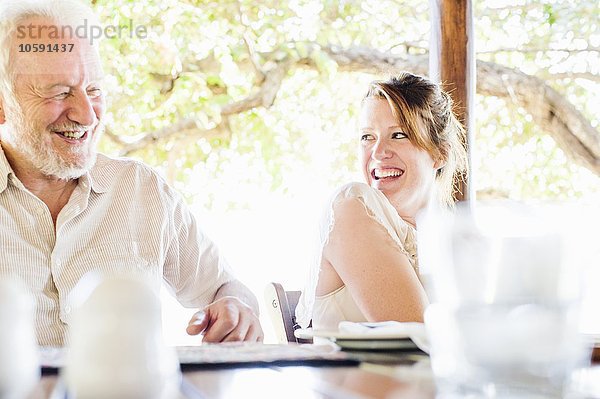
(59, 105)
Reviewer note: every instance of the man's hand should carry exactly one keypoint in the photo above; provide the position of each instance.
(226, 319)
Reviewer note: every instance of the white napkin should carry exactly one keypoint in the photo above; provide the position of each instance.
(415, 331)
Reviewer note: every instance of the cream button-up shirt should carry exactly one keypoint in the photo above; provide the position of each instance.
(121, 218)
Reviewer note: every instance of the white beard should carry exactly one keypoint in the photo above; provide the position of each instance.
(34, 144)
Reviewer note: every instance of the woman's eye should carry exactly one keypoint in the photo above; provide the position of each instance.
(399, 135)
(366, 137)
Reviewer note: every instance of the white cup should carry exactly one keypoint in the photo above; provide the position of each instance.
(19, 358)
(116, 345)
(504, 319)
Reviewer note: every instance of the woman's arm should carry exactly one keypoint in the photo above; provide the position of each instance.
(377, 273)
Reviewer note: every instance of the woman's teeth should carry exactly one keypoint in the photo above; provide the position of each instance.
(383, 173)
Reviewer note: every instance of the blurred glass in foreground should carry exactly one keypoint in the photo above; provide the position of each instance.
(116, 346)
(505, 283)
(19, 360)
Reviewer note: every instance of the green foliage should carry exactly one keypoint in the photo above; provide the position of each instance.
(516, 158)
(549, 12)
(196, 60)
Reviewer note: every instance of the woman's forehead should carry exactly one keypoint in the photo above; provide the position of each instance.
(378, 110)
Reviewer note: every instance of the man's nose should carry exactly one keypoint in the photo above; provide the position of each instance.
(82, 110)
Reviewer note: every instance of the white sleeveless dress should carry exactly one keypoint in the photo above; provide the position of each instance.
(328, 310)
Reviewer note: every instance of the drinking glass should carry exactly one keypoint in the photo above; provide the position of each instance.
(505, 288)
(116, 345)
(19, 359)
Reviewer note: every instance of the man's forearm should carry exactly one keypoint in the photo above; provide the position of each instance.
(240, 291)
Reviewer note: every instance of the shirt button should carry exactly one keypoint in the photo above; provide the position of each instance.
(40, 211)
(67, 309)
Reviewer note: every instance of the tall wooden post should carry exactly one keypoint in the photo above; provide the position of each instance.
(452, 62)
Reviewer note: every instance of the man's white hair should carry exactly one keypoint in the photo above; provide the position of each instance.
(15, 13)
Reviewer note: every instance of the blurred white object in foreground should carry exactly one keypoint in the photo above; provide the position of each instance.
(117, 348)
(19, 362)
(505, 280)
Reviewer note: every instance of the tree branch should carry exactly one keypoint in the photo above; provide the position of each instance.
(254, 59)
(188, 127)
(167, 131)
(549, 109)
(538, 50)
(408, 46)
(265, 96)
(260, 74)
(573, 75)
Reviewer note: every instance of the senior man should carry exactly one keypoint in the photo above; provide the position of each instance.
(66, 211)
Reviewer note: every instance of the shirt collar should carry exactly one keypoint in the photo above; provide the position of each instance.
(98, 177)
(5, 170)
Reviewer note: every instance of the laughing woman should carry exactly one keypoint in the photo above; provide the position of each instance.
(411, 153)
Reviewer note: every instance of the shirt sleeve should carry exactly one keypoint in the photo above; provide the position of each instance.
(194, 268)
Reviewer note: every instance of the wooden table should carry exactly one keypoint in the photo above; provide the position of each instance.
(366, 381)
(303, 382)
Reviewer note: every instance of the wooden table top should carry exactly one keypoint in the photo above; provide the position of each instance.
(365, 381)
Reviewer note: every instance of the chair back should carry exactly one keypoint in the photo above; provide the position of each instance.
(281, 305)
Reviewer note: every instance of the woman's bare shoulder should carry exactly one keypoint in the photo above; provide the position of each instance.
(354, 190)
(360, 202)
